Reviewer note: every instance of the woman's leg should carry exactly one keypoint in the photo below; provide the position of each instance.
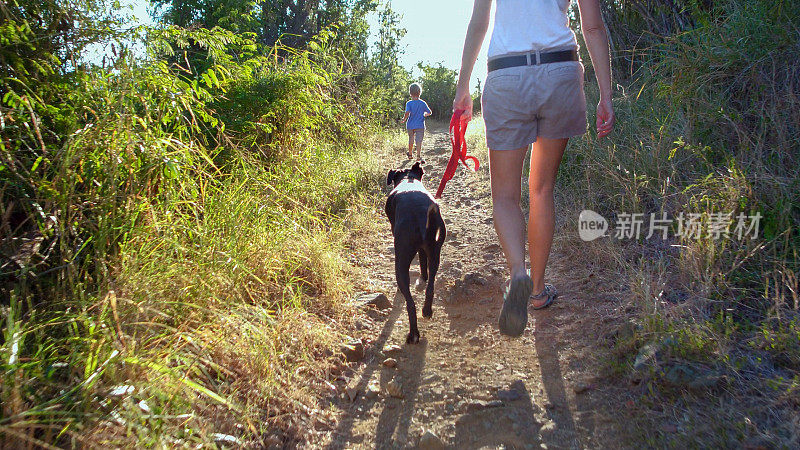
(505, 171)
(545, 158)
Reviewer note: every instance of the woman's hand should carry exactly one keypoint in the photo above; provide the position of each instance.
(605, 118)
(463, 101)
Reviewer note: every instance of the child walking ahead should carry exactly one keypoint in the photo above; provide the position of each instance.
(416, 112)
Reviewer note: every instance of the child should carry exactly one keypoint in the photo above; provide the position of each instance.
(416, 112)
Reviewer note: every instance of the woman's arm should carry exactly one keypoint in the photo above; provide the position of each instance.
(476, 31)
(594, 33)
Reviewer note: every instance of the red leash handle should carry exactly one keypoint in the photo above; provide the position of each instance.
(458, 128)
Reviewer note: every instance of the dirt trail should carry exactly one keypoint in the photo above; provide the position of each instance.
(464, 382)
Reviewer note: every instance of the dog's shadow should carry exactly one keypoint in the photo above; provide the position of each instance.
(344, 430)
(395, 419)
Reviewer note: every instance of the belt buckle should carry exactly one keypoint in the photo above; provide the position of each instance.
(533, 58)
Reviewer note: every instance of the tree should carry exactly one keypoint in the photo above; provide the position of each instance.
(390, 34)
(294, 22)
(476, 98)
(438, 89)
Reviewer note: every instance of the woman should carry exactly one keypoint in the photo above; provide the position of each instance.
(533, 95)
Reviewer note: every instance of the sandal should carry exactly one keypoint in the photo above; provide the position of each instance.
(550, 292)
(410, 155)
(514, 315)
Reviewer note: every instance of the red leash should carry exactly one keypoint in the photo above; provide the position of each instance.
(458, 127)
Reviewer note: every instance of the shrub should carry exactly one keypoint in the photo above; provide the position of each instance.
(159, 222)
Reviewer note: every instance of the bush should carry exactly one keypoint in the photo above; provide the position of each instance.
(712, 116)
(707, 123)
(172, 236)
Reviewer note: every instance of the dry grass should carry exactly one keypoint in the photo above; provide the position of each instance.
(226, 317)
(724, 306)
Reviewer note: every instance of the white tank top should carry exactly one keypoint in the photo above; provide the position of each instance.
(524, 25)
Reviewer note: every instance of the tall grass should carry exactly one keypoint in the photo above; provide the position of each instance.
(170, 280)
(708, 123)
(709, 126)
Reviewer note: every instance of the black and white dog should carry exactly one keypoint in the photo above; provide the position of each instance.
(417, 227)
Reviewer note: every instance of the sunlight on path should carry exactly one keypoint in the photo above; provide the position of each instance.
(464, 385)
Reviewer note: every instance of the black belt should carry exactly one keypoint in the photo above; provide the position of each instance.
(529, 59)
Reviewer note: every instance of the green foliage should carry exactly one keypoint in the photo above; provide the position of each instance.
(781, 338)
(702, 126)
(292, 22)
(390, 34)
(384, 95)
(276, 106)
(123, 190)
(383, 84)
(633, 26)
(438, 89)
(706, 122)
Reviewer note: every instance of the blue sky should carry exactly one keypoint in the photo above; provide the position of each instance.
(435, 32)
(140, 10)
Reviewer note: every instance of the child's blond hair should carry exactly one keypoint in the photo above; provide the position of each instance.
(415, 90)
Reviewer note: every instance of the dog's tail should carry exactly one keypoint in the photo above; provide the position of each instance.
(435, 229)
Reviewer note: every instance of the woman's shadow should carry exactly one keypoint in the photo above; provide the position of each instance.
(563, 433)
(507, 423)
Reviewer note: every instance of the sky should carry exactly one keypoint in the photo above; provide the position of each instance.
(435, 31)
(139, 10)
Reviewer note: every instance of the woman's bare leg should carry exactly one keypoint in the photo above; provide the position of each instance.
(545, 158)
(505, 171)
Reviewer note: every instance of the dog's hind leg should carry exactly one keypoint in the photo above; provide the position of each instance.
(423, 264)
(433, 267)
(402, 262)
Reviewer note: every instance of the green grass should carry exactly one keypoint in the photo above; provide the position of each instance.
(226, 312)
(173, 279)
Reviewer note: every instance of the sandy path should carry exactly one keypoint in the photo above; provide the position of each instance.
(464, 382)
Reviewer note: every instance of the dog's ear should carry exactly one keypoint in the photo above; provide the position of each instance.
(390, 176)
(416, 169)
